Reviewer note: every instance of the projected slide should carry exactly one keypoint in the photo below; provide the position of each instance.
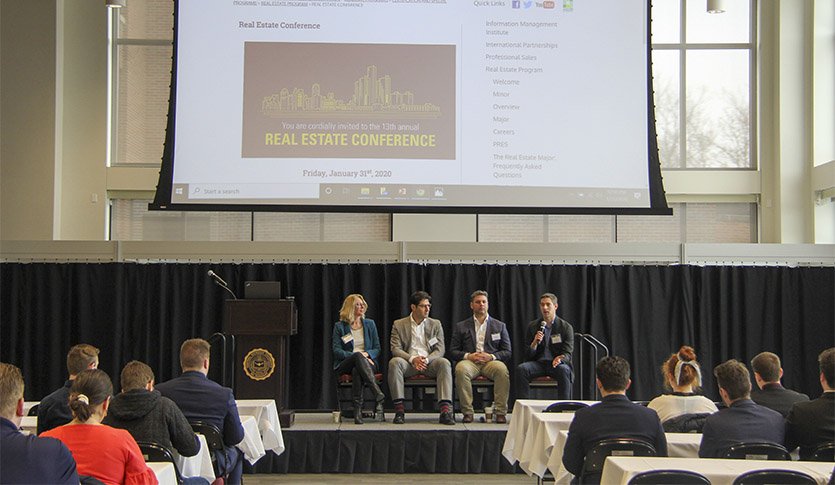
(344, 105)
(404, 104)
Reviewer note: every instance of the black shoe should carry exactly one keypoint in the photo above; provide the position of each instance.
(399, 418)
(447, 418)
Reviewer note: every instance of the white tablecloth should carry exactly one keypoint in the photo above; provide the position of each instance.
(27, 405)
(164, 471)
(682, 445)
(199, 465)
(519, 422)
(29, 424)
(620, 469)
(540, 439)
(266, 415)
(252, 446)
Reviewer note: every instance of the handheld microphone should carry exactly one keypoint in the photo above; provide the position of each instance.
(542, 327)
(217, 278)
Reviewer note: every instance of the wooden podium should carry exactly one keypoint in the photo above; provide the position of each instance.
(261, 329)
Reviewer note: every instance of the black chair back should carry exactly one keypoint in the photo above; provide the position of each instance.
(596, 456)
(774, 477)
(565, 407)
(665, 477)
(214, 439)
(153, 451)
(824, 452)
(33, 411)
(757, 451)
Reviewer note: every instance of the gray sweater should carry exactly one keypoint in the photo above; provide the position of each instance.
(148, 416)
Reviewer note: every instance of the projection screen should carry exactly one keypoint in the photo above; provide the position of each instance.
(412, 106)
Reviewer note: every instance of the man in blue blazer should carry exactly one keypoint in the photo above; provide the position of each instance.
(742, 420)
(481, 345)
(28, 458)
(202, 399)
(614, 417)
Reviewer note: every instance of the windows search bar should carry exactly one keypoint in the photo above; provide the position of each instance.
(253, 191)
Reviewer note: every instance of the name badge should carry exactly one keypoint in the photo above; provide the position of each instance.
(433, 341)
(496, 337)
(556, 339)
(347, 338)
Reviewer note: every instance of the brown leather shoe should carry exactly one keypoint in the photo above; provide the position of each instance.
(501, 419)
(468, 418)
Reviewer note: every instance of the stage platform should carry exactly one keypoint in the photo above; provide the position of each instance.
(315, 444)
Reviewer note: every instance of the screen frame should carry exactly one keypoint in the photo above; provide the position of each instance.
(163, 194)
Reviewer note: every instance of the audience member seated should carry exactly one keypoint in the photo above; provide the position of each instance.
(812, 423)
(743, 421)
(27, 459)
(107, 454)
(683, 410)
(614, 417)
(148, 416)
(202, 399)
(54, 409)
(769, 392)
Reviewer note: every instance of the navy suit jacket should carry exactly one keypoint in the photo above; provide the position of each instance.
(811, 424)
(202, 399)
(614, 417)
(29, 459)
(564, 347)
(54, 409)
(496, 339)
(743, 421)
(776, 397)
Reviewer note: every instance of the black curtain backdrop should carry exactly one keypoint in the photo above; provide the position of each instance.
(643, 313)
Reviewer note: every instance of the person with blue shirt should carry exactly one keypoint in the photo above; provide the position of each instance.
(28, 458)
(356, 347)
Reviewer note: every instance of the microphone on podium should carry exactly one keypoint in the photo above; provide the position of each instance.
(219, 281)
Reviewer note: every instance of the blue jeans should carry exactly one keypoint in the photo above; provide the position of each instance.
(563, 374)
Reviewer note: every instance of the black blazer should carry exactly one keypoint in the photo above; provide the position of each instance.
(614, 417)
(776, 397)
(744, 421)
(810, 424)
(565, 347)
(464, 339)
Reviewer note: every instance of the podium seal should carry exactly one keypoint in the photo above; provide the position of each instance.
(259, 364)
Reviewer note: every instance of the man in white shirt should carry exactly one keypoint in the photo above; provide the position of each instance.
(417, 347)
(481, 345)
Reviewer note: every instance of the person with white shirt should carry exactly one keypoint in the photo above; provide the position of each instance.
(684, 410)
(417, 347)
(356, 347)
(481, 345)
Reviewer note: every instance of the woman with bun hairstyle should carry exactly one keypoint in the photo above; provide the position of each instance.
(107, 454)
(683, 375)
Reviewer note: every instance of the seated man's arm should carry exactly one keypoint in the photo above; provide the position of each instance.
(660, 439)
(573, 454)
(396, 344)
(182, 436)
(505, 350)
(456, 346)
(792, 432)
(708, 446)
(233, 430)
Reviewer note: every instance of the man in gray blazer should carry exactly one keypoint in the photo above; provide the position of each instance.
(417, 347)
(481, 346)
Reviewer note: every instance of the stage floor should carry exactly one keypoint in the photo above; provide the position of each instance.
(316, 444)
(414, 421)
